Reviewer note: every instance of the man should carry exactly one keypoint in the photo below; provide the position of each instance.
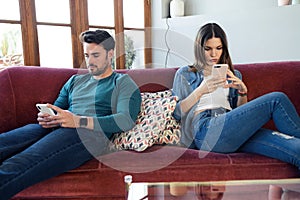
(90, 109)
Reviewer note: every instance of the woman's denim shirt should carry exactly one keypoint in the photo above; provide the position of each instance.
(185, 82)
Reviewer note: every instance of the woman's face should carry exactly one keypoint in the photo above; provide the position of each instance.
(213, 49)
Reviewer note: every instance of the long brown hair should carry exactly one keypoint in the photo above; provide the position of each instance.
(205, 33)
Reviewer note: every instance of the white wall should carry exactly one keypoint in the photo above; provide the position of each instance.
(256, 32)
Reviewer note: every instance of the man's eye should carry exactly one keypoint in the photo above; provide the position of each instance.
(96, 55)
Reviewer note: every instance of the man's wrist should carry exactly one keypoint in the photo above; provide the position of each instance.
(83, 122)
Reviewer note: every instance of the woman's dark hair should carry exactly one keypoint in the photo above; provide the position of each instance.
(205, 33)
(100, 37)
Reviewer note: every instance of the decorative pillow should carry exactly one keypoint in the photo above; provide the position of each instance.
(156, 95)
(155, 124)
(171, 134)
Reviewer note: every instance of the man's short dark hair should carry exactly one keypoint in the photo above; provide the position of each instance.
(100, 37)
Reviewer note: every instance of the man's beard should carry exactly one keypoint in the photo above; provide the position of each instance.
(98, 71)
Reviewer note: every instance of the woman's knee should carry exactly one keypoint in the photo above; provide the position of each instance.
(279, 95)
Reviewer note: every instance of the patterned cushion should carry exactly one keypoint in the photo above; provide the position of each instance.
(155, 124)
(156, 95)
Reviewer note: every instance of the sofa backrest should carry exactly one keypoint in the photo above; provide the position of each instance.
(22, 87)
(262, 78)
(152, 80)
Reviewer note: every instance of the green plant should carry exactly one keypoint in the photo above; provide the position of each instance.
(130, 53)
(4, 45)
(9, 42)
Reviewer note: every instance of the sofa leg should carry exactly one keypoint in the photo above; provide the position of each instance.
(177, 189)
(275, 192)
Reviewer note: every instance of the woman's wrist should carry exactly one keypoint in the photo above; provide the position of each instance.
(242, 90)
(242, 93)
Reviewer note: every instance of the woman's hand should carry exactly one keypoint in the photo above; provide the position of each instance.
(207, 86)
(236, 83)
(211, 84)
(240, 86)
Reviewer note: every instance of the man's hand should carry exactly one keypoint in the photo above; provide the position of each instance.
(46, 120)
(63, 118)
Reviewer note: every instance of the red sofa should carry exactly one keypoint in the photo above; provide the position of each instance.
(22, 87)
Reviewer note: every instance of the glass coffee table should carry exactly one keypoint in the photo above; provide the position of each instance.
(279, 189)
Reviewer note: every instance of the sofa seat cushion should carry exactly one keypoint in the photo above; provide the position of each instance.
(92, 165)
(156, 158)
(165, 161)
(158, 164)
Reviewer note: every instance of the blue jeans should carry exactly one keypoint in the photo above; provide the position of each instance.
(241, 129)
(31, 154)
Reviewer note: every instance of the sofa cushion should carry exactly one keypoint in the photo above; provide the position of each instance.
(155, 124)
(170, 163)
(171, 134)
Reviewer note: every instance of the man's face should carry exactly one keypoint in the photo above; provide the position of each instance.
(98, 60)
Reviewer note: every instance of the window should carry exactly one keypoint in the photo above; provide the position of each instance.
(134, 34)
(101, 12)
(48, 33)
(11, 51)
(54, 33)
(130, 33)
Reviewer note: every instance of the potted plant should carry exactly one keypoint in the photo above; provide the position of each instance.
(8, 48)
(130, 53)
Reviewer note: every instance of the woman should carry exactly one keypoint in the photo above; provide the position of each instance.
(214, 112)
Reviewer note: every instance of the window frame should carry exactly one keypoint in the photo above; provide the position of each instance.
(79, 23)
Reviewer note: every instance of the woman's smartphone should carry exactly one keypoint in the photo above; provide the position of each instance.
(44, 109)
(219, 70)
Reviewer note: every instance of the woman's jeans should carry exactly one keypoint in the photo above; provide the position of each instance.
(31, 154)
(240, 129)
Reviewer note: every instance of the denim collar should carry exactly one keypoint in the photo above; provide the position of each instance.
(193, 78)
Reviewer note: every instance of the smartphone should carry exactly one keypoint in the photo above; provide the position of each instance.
(44, 109)
(219, 70)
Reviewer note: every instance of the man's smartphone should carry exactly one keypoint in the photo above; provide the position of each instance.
(219, 70)
(44, 109)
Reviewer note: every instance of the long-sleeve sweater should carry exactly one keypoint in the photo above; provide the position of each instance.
(113, 102)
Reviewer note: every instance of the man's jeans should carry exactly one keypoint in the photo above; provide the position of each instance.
(31, 154)
(240, 129)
